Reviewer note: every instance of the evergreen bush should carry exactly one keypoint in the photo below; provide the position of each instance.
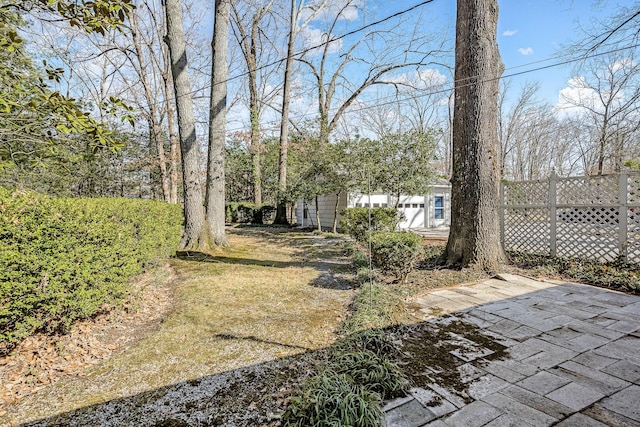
(248, 213)
(396, 252)
(67, 259)
(355, 221)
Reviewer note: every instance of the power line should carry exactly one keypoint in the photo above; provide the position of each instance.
(451, 86)
(335, 39)
(308, 49)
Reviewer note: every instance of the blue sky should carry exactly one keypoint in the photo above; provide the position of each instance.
(535, 30)
(531, 34)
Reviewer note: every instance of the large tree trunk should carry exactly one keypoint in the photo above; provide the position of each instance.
(215, 198)
(281, 209)
(475, 238)
(193, 209)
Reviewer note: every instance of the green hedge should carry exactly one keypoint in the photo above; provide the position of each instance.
(355, 221)
(67, 259)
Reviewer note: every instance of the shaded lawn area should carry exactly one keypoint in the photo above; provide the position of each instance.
(263, 302)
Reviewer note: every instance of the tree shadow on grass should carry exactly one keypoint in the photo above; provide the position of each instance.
(257, 395)
(194, 256)
(249, 396)
(446, 355)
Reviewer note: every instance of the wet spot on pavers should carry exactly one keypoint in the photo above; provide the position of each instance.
(448, 353)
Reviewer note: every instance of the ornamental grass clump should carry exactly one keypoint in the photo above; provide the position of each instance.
(333, 400)
(371, 371)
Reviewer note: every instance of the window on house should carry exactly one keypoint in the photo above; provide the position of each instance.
(376, 205)
(422, 205)
(439, 207)
(358, 205)
(384, 205)
(415, 205)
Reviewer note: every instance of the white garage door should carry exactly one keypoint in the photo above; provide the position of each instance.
(414, 212)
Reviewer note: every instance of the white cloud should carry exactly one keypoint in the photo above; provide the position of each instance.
(509, 33)
(312, 37)
(526, 51)
(621, 65)
(420, 79)
(348, 10)
(576, 96)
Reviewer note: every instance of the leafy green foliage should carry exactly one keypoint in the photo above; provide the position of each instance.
(246, 212)
(355, 221)
(397, 163)
(396, 252)
(36, 122)
(67, 259)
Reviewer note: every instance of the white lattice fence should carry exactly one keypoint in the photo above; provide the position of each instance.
(593, 217)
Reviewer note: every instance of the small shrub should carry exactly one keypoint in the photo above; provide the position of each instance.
(248, 213)
(355, 221)
(333, 400)
(240, 212)
(396, 252)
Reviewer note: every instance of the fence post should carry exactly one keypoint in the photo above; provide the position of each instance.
(623, 187)
(553, 179)
(502, 208)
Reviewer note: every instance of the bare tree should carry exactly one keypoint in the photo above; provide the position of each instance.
(151, 114)
(251, 39)
(387, 51)
(193, 208)
(297, 6)
(474, 238)
(608, 97)
(510, 122)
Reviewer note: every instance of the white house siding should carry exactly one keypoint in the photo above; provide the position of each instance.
(427, 211)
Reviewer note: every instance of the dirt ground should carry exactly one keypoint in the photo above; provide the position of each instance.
(213, 339)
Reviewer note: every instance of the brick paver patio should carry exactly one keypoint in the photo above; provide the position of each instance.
(572, 358)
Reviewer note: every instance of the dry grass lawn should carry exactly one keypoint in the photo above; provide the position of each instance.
(272, 294)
